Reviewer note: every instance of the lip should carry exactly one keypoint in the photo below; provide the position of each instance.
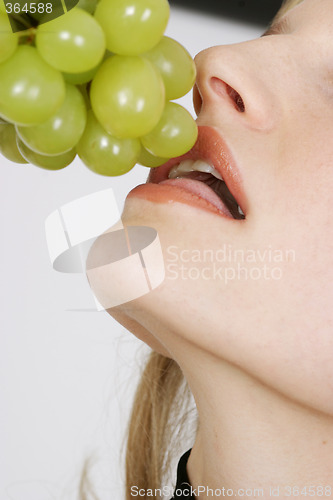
(211, 148)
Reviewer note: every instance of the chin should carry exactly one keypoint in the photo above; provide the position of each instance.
(140, 212)
(172, 221)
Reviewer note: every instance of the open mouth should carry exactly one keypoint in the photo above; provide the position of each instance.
(207, 176)
(203, 172)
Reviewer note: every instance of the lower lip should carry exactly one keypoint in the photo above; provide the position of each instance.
(189, 192)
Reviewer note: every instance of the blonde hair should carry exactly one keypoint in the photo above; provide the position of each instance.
(159, 416)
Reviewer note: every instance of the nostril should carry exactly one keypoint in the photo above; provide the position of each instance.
(223, 88)
(236, 98)
(197, 100)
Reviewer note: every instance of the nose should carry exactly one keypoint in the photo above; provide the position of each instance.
(232, 83)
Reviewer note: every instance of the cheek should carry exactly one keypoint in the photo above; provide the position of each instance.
(294, 316)
(258, 294)
(265, 270)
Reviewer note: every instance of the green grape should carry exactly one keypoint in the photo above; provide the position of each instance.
(127, 96)
(132, 27)
(8, 39)
(72, 43)
(47, 162)
(105, 154)
(31, 91)
(62, 131)
(80, 78)
(175, 65)
(175, 133)
(88, 5)
(8, 146)
(148, 160)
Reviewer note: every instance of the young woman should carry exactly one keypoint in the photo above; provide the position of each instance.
(244, 312)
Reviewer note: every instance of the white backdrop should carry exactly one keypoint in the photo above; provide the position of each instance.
(67, 374)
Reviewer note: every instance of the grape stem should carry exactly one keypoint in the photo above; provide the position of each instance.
(27, 36)
(64, 6)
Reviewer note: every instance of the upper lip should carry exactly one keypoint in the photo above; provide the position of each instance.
(211, 148)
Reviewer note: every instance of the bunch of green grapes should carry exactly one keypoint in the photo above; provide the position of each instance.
(97, 81)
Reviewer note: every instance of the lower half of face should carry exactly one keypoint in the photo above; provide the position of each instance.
(257, 293)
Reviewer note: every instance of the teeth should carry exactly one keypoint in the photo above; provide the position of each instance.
(190, 166)
(240, 211)
(182, 168)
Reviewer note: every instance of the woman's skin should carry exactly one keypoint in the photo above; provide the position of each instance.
(257, 352)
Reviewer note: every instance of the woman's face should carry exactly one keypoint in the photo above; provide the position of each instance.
(258, 291)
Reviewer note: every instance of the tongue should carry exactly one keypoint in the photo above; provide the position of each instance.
(200, 189)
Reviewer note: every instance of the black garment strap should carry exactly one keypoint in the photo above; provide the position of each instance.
(183, 487)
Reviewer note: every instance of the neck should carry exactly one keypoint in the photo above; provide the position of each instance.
(250, 437)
